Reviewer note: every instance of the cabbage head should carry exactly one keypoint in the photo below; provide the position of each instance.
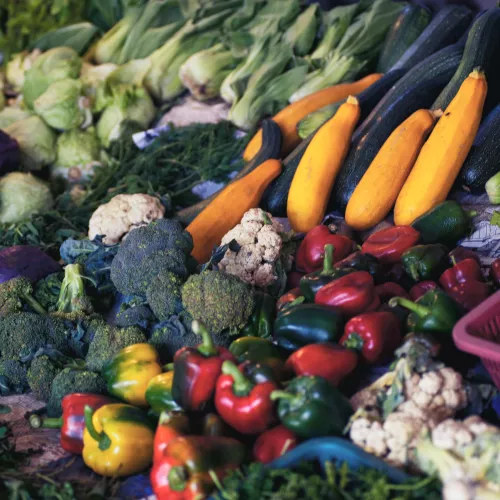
(54, 65)
(60, 106)
(36, 140)
(21, 196)
(12, 114)
(17, 67)
(77, 147)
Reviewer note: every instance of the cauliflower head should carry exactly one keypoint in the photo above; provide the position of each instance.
(125, 212)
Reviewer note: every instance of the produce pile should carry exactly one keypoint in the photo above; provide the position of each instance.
(284, 320)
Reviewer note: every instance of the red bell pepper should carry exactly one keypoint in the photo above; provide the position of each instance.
(460, 253)
(244, 404)
(196, 370)
(329, 361)
(422, 288)
(170, 426)
(375, 335)
(273, 444)
(288, 298)
(72, 421)
(495, 272)
(310, 253)
(387, 291)
(389, 244)
(350, 295)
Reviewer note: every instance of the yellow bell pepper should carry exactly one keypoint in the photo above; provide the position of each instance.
(128, 373)
(117, 440)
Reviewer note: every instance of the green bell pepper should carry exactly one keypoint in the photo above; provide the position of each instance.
(311, 407)
(434, 312)
(307, 324)
(260, 323)
(425, 262)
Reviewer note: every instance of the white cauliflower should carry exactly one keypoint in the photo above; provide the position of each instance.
(260, 238)
(125, 212)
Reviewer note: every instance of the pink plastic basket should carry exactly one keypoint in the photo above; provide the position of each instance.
(478, 333)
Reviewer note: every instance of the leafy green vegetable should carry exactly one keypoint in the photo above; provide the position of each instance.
(495, 219)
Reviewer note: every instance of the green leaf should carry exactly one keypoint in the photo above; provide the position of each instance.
(495, 219)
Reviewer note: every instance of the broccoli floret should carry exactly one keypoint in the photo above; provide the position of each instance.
(134, 311)
(14, 294)
(22, 334)
(164, 295)
(171, 335)
(41, 374)
(15, 372)
(150, 250)
(218, 300)
(47, 291)
(107, 341)
(73, 297)
(69, 381)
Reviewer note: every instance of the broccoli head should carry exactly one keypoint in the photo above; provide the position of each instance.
(134, 311)
(22, 334)
(15, 373)
(72, 297)
(108, 340)
(14, 294)
(159, 247)
(164, 295)
(47, 291)
(69, 381)
(218, 300)
(41, 374)
(167, 337)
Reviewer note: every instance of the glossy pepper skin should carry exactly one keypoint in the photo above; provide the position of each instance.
(425, 262)
(329, 361)
(307, 324)
(361, 262)
(159, 393)
(388, 245)
(72, 421)
(196, 370)
(183, 472)
(495, 272)
(460, 253)
(312, 407)
(260, 323)
(256, 349)
(311, 250)
(386, 291)
(274, 443)
(374, 335)
(128, 373)
(434, 312)
(244, 404)
(288, 298)
(419, 289)
(171, 425)
(118, 440)
(350, 295)
(311, 283)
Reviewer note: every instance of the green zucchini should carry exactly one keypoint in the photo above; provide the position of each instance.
(481, 50)
(270, 149)
(416, 90)
(483, 161)
(407, 28)
(446, 28)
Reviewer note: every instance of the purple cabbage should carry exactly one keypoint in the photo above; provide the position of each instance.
(25, 260)
(10, 154)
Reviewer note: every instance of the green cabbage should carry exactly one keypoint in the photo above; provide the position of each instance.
(17, 67)
(22, 195)
(36, 140)
(77, 147)
(12, 114)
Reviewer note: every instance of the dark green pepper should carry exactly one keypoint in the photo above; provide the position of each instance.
(425, 262)
(260, 323)
(434, 312)
(311, 407)
(361, 262)
(312, 282)
(256, 349)
(307, 324)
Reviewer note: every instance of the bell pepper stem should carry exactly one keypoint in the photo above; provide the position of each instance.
(281, 395)
(37, 422)
(418, 309)
(328, 259)
(286, 446)
(413, 271)
(168, 367)
(354, 341)
(241, 385)
(177, 478)
(207, 346)
(101, 437)
(453, 260)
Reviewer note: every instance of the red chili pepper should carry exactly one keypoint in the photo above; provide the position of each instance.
(170, 426)
(288, 298)
(311, 251)
(460, 253)
(72, 421)
(196, 370)
(350, 295)
(293, 279)
(273, 444)
(375, 335)
(495, 272)
(387, 291)
(422, 288)
(243, 403)
(329, 361)
(389, 244)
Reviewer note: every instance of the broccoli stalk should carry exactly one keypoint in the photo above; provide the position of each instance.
(15, 293)
(72, 297)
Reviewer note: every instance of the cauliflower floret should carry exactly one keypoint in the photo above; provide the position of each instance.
(450, 433)
(125, 212)
(431, 382)
(478, 426)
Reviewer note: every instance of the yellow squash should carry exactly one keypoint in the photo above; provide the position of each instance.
(444, 153)
(313, 181)
(378, 189)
